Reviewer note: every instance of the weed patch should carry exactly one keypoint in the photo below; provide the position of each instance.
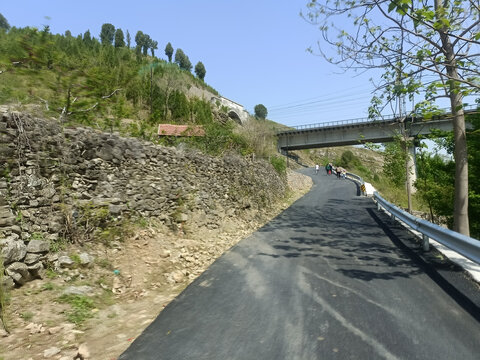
(81, 308)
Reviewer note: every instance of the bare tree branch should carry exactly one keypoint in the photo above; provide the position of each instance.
(113, 93)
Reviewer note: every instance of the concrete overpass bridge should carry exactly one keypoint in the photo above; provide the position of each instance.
(359, 131)
(236, 111)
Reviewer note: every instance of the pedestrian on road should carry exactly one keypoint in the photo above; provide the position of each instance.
(316, 169)
(328, 168)
(338, 170)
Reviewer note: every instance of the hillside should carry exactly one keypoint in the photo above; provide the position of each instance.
(81, 80)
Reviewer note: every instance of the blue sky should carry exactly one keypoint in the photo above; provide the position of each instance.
(254, 51)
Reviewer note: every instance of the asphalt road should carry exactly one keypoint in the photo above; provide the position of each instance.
(329, 278)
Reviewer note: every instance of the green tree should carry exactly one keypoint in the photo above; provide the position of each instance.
(139, 39)
(4, 23)
(169, 52)
(182, 60)
(179, 107)
(107, 34)
(435, 185)
(119, 38)
(200, 70)
(394, 163)
(349, 160)
(414, 40)
(87, 38)
(260, 111)
(153, 47)
(146, 44)
(171, 80)
(129, 39)
(474, 170)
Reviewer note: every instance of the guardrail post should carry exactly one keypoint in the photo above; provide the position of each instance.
(425, 243)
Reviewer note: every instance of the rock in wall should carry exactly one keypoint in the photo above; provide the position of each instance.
(49, 174)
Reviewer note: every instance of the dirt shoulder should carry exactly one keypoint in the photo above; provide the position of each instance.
(98, 310)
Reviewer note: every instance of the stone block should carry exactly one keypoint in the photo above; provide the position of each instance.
(38, 246)
(65, 262)
(12, 250)
(18, 272)
(86, 259)
(55, 227)
(116, 209)
(16, 229)
(7, 282)
(5, 212)
(37, 271)
(32, 258)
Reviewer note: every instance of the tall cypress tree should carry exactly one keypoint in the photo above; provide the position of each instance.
(87, 38)
(182, 60)
(119, 39)
(169, 52)
(107, 34)
(200, 70)
(4, 23)
(139, 40)
(129, 39)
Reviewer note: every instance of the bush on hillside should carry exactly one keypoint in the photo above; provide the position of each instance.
(279, 163)
(348, 160)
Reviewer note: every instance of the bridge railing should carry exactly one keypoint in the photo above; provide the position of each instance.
(364, 120)
(464, 245)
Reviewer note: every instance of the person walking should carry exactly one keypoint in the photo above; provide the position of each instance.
(329, 168)
(317, 167)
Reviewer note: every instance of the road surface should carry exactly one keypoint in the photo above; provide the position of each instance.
(329, 278)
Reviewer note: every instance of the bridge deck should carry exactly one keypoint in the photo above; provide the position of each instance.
(359, 131)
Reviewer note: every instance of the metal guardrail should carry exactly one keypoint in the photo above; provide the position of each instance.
(355, 177)
(358, 179)
(464, 245)
(364, 120)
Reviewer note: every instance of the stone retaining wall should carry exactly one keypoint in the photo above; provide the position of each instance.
(50, 174)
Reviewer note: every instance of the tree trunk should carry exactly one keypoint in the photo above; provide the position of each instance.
(409, 169)
(460, 213)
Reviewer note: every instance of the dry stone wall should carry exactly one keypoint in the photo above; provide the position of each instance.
(49, 174)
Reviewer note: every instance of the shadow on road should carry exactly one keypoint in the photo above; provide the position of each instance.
(357, 241)
(446, 274)
(343, 234)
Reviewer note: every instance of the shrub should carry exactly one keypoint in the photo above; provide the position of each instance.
(349, 160)
(279, 164)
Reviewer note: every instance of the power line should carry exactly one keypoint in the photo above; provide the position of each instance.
(318, 99)
(321, 108)
(319, 105)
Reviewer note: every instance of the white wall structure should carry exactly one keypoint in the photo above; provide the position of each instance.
(235, 111)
